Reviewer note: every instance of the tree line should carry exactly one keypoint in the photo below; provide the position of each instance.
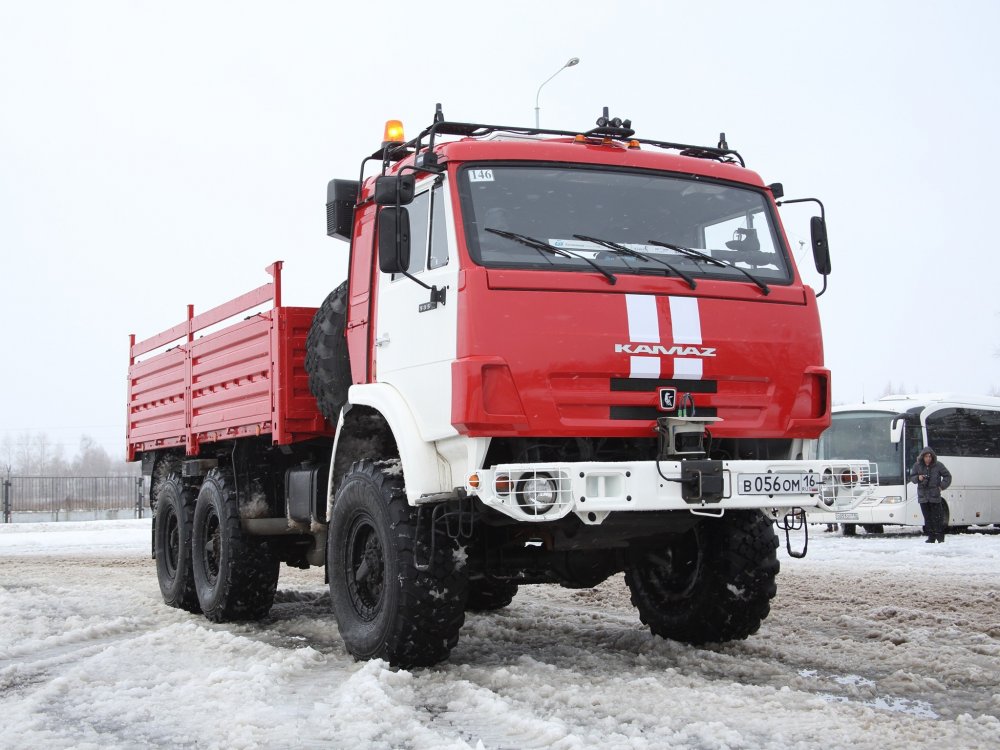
(35, 454)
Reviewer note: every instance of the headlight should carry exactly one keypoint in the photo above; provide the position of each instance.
(537, 494)
(891, 499)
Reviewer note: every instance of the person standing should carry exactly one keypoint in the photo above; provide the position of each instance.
(931, 476)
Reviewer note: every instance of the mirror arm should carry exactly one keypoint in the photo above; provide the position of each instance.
(411, 277)
(822, 213)
(822, 291)
(822, 210)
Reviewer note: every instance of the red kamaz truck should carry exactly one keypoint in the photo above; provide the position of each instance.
(558, 356)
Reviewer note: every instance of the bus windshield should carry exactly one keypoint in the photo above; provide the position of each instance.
(865, 435)
(555, 217)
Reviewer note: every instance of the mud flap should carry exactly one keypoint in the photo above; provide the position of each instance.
(795, 520)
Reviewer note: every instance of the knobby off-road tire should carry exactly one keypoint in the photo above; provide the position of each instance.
(327, 362)
(166, 465)
(172, 544)
(487, 595)
(235, 574)
(386, 607)
(713, 584)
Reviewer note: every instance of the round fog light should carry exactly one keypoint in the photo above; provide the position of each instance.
(502, 484)
(537, 494)
(849, 478)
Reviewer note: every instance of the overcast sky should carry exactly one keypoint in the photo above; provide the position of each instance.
(158, 154)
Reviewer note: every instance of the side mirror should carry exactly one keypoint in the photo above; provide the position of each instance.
(777, 190)
(393, 239)
(821, 249)
(896, 430)
(395, 190)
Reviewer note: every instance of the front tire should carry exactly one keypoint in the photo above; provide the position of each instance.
(386, 606)
(713, 583)
(235, 574)
(172, 544)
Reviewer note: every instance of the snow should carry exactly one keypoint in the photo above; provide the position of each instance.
(873, 642)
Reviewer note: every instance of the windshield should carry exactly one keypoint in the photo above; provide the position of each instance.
(864, 435)
(587, 211)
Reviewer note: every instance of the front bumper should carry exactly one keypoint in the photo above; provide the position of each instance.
(592, 490)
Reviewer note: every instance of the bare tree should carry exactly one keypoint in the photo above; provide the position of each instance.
(7, 452)
(891, 389)
(92, 460)
(34, 454)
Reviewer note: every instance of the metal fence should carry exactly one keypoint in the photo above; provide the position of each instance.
(71, 497)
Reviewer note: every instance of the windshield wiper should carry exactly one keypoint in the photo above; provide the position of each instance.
(714, 261)
(546, 247)
(622, 250)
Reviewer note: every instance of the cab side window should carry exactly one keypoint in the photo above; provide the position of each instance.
(438, 254)
(418, 211)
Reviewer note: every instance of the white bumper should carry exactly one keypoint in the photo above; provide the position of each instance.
(592, 490)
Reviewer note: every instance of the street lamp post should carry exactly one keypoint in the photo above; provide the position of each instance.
(569, 64)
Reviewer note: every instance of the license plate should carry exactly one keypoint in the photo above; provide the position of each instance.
(778, 484)
(847, 516)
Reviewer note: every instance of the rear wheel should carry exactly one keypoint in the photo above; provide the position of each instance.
(392, 598)
(235, 574)
(165, 466)
(172, 544)
(713, 583)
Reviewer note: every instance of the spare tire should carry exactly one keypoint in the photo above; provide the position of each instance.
(327, 363)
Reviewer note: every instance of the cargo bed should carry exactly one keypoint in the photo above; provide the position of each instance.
(248, 378)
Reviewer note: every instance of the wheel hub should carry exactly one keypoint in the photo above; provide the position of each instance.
(173, 544)
(676, 571)
(212, 551)
(365, 570)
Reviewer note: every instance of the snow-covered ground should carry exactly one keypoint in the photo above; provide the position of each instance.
(873, 642)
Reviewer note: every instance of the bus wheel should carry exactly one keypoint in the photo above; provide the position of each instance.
(849, 529)
(235, 574)
(713, 583)
(392, 599)
(873, 528)
(172, 544)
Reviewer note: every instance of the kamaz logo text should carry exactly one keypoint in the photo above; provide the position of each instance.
(675, 350)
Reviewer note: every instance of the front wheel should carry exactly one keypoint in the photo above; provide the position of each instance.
(712, 583)
(393, 599)
(235, 574)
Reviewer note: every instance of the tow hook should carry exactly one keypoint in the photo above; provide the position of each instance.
(795, 520)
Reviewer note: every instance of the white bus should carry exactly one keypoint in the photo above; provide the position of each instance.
(964, 431)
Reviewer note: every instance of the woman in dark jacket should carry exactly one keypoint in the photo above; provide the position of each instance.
(931, 477)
